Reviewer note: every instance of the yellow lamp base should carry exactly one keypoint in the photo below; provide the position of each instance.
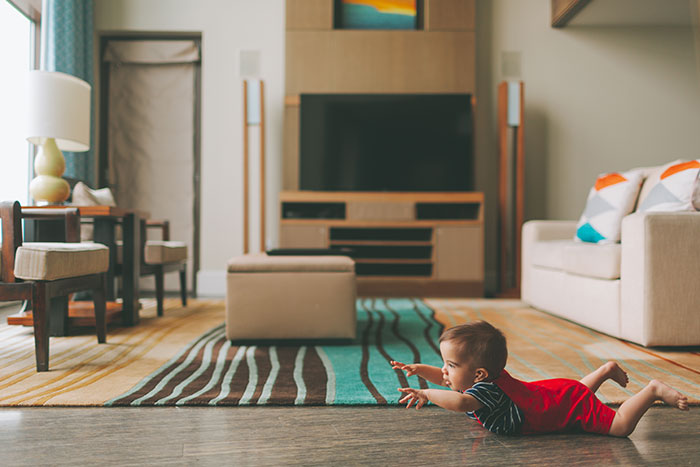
(48, 187)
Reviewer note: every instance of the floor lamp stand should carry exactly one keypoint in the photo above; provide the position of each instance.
(511, 184)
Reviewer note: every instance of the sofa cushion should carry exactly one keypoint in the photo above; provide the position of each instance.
(590, 260)
(51, 261)
(580, 258)
(670, 187)
(549, 254)
(611, 198)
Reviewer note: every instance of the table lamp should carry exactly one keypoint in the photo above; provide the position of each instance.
(58, 119)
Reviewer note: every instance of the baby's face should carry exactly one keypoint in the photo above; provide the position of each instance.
(457, 372)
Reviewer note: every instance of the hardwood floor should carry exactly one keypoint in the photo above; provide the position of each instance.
(321, 436)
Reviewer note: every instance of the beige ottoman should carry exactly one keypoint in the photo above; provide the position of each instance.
(290, 297)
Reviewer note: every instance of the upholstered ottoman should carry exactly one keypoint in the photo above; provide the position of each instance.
(290, 297)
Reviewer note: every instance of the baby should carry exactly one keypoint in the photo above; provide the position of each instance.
(475, 356)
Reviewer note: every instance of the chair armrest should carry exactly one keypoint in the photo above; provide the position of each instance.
(10, 215)
(163, 225)
(533, 232)
(660, 270)
(71, 216)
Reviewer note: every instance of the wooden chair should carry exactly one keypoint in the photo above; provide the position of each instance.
(159, 257)
(38, 272)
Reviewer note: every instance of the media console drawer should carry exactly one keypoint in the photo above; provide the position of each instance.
(403, 244)
(381, 211)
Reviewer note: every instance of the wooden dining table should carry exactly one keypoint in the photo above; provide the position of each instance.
(105, 219)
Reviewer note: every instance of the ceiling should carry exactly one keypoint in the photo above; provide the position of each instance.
(637, 13)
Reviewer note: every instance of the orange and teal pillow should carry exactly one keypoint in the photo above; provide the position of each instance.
(612, 197)
(670, 188)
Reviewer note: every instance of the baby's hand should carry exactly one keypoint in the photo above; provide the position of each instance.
(413, 395)
(409, 369)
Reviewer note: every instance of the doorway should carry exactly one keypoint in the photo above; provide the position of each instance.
(150, 101)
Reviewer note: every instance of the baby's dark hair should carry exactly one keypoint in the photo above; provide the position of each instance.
(480, 343)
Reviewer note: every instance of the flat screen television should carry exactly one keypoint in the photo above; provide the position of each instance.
(386, 142)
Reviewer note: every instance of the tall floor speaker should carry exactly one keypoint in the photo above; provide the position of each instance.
(253, 137)
(511, 184)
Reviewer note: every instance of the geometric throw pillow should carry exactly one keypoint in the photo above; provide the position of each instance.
(670, 188)
(612, 197)
(696, 193)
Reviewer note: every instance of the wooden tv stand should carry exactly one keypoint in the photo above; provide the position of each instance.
(404, 244)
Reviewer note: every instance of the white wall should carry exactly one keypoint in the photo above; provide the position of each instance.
(597, 99)
(226, 26)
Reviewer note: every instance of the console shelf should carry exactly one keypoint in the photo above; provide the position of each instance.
(403, 244)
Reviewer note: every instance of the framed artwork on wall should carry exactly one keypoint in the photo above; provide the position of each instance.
(377, 14)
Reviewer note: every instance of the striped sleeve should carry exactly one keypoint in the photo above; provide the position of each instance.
(499, 414)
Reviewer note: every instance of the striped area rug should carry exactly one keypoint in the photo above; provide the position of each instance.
(210, 371)
(183, 358)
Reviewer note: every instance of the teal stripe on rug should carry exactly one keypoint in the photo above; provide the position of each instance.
(350, 389)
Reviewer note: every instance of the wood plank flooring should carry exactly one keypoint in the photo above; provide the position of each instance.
(320, 436)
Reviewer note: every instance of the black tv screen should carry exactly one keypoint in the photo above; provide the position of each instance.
(386, 142)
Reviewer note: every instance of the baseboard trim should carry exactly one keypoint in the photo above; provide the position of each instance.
(211, 284)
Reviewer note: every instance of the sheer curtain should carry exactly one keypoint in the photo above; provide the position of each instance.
(151, 133)
(16, 52)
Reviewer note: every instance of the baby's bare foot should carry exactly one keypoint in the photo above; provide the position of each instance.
(617, 374)
(669, 395)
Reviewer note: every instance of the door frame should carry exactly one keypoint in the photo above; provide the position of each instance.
(103, 104)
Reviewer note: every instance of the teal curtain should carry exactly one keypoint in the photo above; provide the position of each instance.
(67, 30)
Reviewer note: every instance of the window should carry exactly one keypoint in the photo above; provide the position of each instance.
(17, 49)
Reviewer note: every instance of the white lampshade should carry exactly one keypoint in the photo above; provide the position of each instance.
(59, 108)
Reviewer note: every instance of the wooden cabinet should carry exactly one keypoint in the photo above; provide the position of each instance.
(403, 244)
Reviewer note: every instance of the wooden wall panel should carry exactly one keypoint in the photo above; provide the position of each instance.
(380, 61)
(309, 55)
(309, 14)
(449, 15)
(290, 167)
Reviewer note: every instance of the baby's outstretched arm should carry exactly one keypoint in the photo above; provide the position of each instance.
(450, 400)
(428, 372)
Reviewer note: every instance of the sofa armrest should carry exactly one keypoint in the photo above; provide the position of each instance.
(537, 231)
(540, 231)
(660, 274)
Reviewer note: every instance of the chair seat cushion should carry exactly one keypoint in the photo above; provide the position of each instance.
(158, 252)
(51, 261)
(161, 252)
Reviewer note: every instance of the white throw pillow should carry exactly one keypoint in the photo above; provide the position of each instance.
(612, 197)
(670, 187)
(83, 195)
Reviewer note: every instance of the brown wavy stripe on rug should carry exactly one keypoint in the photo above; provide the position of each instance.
(132, 367)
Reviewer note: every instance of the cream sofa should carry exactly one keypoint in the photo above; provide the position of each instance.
(645, 289)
